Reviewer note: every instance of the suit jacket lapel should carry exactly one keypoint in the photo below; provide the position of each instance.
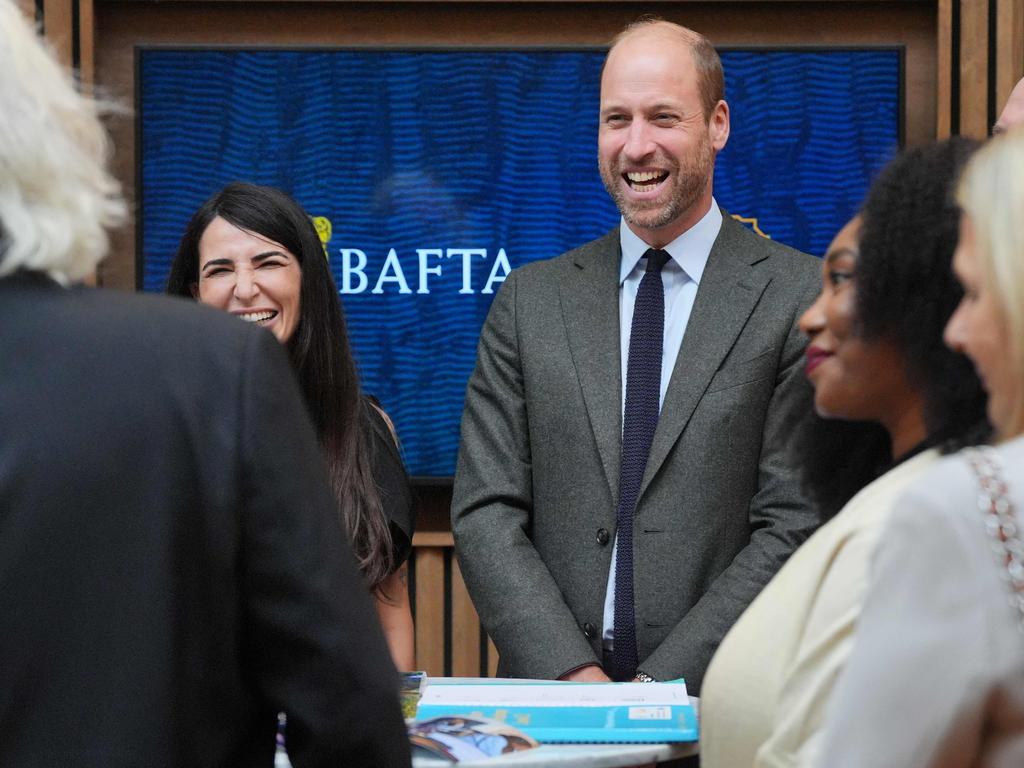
(590, 308)
(727, 295)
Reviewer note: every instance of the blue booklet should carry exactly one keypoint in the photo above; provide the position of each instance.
(560, 712)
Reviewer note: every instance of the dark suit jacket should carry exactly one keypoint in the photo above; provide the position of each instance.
(538, 473)
(172, 570)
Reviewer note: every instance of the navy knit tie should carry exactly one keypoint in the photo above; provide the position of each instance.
(640, 418)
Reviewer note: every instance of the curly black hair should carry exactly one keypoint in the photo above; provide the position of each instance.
(906, 289)
(905, 292)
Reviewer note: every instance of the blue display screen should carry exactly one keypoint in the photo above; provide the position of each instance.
(433, 173)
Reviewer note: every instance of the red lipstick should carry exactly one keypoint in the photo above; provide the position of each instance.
(815, 357)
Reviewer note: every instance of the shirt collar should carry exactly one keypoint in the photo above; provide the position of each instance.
(690, 250)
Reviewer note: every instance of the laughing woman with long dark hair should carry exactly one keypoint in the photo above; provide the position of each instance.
(252, 251)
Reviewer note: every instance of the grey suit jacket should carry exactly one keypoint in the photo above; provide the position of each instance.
(536, 487)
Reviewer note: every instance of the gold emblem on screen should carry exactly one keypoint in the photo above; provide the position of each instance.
(324, 230)
(751, 221)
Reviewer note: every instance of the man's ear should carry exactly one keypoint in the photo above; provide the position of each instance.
(193, 288)
(718, 126)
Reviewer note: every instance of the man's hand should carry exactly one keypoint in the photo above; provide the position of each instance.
(588, 674)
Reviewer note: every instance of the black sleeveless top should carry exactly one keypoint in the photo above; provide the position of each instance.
(392, 482)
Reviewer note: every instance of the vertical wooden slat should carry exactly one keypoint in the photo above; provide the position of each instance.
(944, 72)
(492, 659)
(465, 629)
(57, 23)
(430, 610)
(87, 42)
(1009, 48)
(974, 68)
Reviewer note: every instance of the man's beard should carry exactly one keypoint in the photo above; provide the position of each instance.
(688, 184)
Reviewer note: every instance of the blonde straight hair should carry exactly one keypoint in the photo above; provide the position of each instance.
(991, 193)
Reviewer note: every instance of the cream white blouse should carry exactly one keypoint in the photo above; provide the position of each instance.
(764, 697)
(936, 677)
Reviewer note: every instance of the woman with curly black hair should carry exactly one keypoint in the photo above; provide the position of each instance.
(936, 676)
(877, 361)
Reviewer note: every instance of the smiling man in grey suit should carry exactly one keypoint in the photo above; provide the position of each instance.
(597, 537)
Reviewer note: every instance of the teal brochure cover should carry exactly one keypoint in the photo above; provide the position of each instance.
(559, 712)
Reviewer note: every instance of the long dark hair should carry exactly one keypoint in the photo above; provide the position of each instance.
(837, 458)
(320, 354)
(905, 292)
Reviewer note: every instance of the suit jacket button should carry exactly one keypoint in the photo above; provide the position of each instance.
(589, 630)
(602, 536)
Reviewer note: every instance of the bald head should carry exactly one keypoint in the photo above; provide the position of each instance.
(710, 79)
(1013, 113)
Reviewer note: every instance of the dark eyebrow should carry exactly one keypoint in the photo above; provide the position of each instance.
(260, 257)
(257, 259)
(839, 253)
(217, 262)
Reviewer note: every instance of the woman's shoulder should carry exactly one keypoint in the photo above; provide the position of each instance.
(386, 450)
(1012, 453)
(389, 474)
(940, 540)
(950, 487)
(373, 416)
(375, 421)
(940, 510)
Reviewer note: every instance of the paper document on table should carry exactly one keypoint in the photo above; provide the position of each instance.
(557, 694)
(554, 712)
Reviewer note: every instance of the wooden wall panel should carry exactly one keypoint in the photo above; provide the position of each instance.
(430, 610)
(69, 27)
(87, 41)
(980, 57)
(58, 21)
(974, 111)
(944, 69)
(465, 629)
(458, 628)
(1009, 48)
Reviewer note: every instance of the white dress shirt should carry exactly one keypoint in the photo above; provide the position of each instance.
(680, 278)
